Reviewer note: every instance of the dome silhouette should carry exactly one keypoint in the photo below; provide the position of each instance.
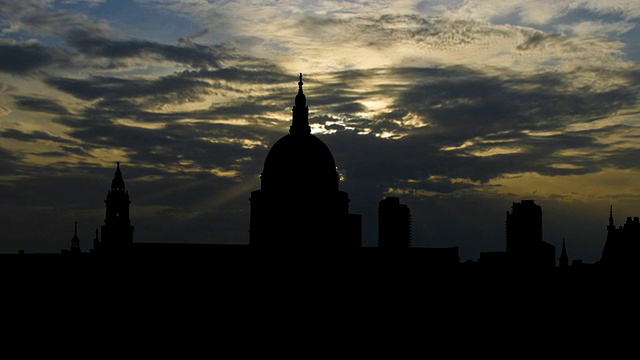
(299, 204)
(300, 161)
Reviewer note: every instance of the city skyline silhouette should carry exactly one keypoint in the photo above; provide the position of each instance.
(299, 207)
(458, 110)
(443, 169)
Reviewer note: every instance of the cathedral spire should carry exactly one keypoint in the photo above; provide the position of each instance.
(300, 123)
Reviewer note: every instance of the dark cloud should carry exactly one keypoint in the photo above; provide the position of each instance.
(189, 53)
(40, 17)
(567, 44)
(168, 89)
(22, 59)
(92, 39)
(199, 147)
(40, 105)
(187, 147)
(8, 161)
(353, 107)
(53, 154)
(76, 150)
(325, 97)
(461, 106)
(499, 124)
(379, 32)
(465, 105)
(538, 39)
(624, 158)
(385, 163)
(265, 75)
(240, 110)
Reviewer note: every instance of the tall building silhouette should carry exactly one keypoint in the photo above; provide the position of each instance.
(394, 224)
(299, 203)
(623, 243)
(524, 244)
(117, 231)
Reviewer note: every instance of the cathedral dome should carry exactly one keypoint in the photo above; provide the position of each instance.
(299, 205)
(300, 161)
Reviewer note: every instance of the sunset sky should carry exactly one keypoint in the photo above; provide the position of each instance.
(460, 108)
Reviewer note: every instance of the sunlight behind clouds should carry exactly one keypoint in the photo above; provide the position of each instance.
(363, 43)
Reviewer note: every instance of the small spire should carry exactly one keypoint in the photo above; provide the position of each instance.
(75, 239)
(301, 100)
(300, 123)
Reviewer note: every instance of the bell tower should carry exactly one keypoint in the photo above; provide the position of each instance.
(117, 231)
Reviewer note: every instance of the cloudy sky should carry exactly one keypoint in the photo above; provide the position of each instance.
(459, 107)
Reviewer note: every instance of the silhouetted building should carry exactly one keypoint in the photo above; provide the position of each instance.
(117, 231)
(299, 203)
(623, 243)
(394, 224)
(524, 244)
(493, 259)
(524, 225)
